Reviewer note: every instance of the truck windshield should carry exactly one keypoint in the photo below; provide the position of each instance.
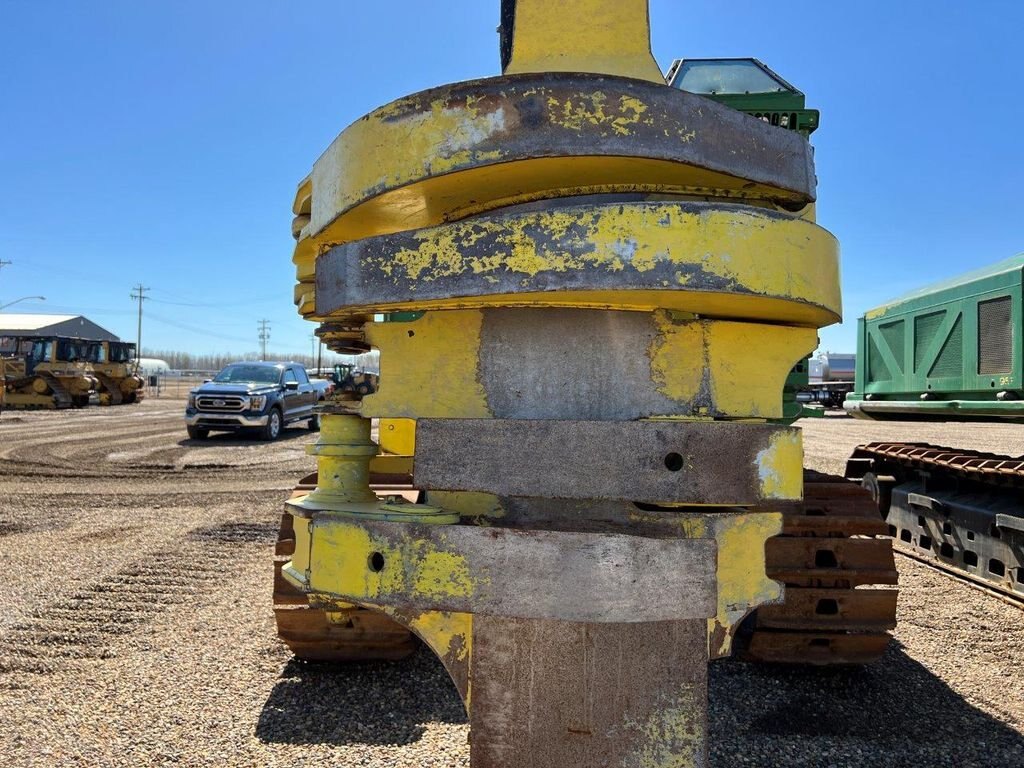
(256, 374)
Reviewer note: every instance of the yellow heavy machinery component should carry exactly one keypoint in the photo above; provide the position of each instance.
(593, 287)
(115, 370)
(54, 373)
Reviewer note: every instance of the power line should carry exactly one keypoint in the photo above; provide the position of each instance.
(264, 336)
(139, 293)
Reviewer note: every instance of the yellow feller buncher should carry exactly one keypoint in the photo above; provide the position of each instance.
(587, 289)
(115, 370)
(42, 372)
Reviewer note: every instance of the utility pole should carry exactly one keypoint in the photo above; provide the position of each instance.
(264, 335)
(312, 350)
(139, 293)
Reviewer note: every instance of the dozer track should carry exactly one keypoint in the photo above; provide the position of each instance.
(59, 396)
(312, 634)
(955, 509)
(829, 556)
(110, 387)
(828, 548)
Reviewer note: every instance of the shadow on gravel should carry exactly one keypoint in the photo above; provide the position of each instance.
(224, 439)
(893, 713)
(387, 703)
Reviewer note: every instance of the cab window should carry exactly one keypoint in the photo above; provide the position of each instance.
(289, 375)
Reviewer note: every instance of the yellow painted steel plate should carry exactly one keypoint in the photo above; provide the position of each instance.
(456, 150)
(716, 260)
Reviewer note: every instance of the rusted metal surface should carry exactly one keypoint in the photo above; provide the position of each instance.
(360, 634)
(851, 610)
(553, 694)
(989, 468)
(603, 370)
(585, 577)
(817, 648)
(670, 249)
(827, 549)
(531, 117)
(653, 461)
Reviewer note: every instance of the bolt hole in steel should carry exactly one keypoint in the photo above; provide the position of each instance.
(673, 462)
(411, 334)
(376, 562)
(827, 607)
(825, 558)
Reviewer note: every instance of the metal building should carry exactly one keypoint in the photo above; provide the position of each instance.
(69, 326)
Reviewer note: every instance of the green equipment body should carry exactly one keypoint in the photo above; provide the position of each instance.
(949, 352)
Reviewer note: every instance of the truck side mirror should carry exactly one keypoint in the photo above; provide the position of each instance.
(292, 385)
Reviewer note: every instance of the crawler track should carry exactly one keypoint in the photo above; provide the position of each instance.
(957, 510)
(831, 556)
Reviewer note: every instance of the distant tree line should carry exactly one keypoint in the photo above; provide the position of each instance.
(191, 361)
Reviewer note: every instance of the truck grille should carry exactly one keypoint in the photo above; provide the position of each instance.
(221, 404)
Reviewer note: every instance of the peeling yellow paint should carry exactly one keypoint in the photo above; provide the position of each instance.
(673, 736)
(730, 249)
(741, 577)
(677, 358)
(742, 582)
(780, 466)
(469, 504)
(748, 365)
(415, 379)
(446, 633)
(348, 561)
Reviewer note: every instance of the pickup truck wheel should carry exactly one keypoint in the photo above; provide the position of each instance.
(272, 429)
(314, 422)
(198, 433)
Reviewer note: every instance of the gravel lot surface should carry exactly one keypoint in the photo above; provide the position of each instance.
(135, 625)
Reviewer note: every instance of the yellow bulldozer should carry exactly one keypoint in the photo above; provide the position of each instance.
(42, 372)
(116, 371)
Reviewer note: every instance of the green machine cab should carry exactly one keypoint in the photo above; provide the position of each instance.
(746, 85)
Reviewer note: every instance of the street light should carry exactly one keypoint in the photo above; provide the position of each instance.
(23, 298)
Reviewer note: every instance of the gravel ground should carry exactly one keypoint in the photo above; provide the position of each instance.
(135, 627)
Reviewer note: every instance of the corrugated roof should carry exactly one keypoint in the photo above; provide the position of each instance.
(16, 322)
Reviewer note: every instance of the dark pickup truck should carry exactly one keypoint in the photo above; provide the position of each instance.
(258, 396)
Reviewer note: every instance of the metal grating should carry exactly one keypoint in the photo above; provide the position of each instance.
(893, 335)
(925, 328)
(995, 336)
(950, 361)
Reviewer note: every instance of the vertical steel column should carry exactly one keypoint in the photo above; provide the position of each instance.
(601, 284)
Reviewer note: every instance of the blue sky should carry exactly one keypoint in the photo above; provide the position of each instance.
(161, 142)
